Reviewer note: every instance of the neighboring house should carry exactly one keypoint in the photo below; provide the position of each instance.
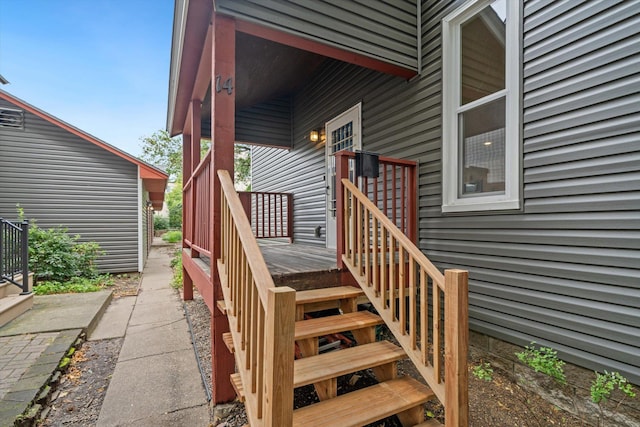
(64, 177)
(524, 118)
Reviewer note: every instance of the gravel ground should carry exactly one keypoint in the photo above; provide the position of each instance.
(78, 397)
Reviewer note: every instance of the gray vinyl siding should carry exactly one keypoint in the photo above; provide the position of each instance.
(565, 270)
(267, 123)
(379, 29)
(63, 180)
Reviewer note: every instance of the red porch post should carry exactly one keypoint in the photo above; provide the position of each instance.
(222, 140)
(194, 120)
(187, 171)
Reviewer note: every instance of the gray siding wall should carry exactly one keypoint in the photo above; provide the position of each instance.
(344, 24)
(564, 271)
(62, 180)
(267, 123)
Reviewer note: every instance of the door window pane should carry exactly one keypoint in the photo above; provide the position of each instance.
(482, 145)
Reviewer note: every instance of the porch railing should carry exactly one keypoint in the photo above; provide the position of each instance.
(425, 310)
(197, 201)
(270, 214)
(394, 192)
(261, 317)
(14, 253)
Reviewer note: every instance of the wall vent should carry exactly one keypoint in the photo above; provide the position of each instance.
(10, 118)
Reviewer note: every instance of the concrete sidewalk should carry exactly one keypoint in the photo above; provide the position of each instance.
(156, 381)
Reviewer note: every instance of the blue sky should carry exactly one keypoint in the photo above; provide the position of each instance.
(99, 65)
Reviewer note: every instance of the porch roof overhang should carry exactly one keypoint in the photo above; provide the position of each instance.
(154, 179)
(283, 60)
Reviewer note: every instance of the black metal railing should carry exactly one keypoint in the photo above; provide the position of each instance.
(14, 253)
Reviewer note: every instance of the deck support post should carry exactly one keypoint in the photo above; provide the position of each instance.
(456, 347)
(187, 218)
(223, 70)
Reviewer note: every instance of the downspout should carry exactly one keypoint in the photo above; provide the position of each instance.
(140, 230)
(419, 34)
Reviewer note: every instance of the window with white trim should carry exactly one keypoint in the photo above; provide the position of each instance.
(481, 107)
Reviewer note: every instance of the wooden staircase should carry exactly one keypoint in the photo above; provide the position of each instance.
(426, 311)
(403, 397)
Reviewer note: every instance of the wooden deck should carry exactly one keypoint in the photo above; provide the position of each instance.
(285, 258)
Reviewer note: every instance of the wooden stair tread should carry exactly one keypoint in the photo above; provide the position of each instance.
(236, 382)
(366, 405)
(327, 294)
(313, 369)
(333, 324)
(228, 341)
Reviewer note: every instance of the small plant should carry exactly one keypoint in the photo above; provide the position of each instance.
(483, 371)
(75, 285)
(176, 265)
(172, 236)
(604, 384)
(545, 360)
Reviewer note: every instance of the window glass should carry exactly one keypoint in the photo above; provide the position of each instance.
(483, 54)
(482, 145)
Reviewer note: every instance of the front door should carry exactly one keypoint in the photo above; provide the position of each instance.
(342, 133)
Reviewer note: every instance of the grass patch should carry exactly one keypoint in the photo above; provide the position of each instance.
(75, 285)
(172, 236)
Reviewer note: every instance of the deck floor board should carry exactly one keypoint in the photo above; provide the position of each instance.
(285, 258)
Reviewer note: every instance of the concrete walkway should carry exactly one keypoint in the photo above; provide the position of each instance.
(33, 345)
(156, 381)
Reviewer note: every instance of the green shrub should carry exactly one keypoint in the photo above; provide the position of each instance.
(172, 236)
(54, 255)
(160, 222)
(175, 216)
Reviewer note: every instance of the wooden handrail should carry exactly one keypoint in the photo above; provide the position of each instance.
(394, 192)
(408, 292)
(261, 316)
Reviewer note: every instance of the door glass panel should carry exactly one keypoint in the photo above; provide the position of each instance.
(482, 142)
(483, 53)
(341, 139)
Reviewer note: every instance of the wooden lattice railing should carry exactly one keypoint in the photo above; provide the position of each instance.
(197, 208)
(270, 214)
(425, 310)
(261, 317)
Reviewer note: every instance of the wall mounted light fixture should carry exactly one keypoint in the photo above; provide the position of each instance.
(314, 136)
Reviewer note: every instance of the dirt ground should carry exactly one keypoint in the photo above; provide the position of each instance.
(79, 396)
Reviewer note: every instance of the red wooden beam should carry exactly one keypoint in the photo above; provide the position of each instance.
(323, 49)
(222, 139)
(342, 171)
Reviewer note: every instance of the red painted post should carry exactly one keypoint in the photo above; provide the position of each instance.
(412, 207)
(290, 217)
(187, 171)
(222, 139)
(342, 171)
(194, 151)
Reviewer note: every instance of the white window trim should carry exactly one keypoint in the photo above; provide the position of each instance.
(450, 108)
